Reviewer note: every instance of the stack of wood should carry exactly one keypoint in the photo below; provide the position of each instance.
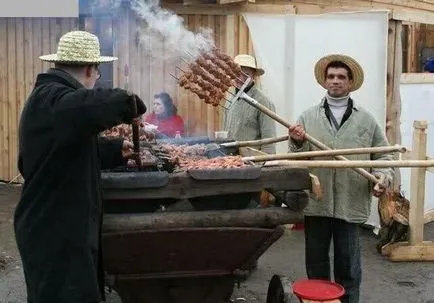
(393, 209)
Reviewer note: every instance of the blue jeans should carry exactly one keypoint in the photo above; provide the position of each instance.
(319, 231)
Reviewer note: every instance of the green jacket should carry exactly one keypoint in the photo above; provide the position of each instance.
(244, 122)
(346, 194)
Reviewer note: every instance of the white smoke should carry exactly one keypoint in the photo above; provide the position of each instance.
(162, 33)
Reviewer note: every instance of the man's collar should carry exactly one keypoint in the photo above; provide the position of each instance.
(355, 106)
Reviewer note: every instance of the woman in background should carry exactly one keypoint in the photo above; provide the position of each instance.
(164, 115)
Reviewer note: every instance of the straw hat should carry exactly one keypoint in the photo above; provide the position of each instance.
(354, 66)
(78, 47)
(249, 61)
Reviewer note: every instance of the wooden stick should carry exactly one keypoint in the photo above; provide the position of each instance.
(323, 153)
(255, 142)
(360, 163)
(309, 138)
(15, 178)
(266, 217)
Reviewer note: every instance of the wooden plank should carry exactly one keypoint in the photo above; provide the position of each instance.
(417, 184)
(133, 62)
(412, 48)
(271, 217)
(37, 46)
(20, 92)
(420, 252)
(390, 77)
(182, 186)
(55, 33)
(208, 110)
(65, 25)
(146, 92)
(122, 35)
(12, 95)
(417, 78)
(46, 48)
(221, 33)
(196, 105)
(215, 9)
(222, 2)
(373, 4)
(29, 58)
(393, 107)
(424, 17)
(243, 36)
(116, 51)
(4, 104)
(182, 94)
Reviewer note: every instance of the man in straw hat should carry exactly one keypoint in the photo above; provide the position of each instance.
(339, 122)
(58, 218)
(242, 121)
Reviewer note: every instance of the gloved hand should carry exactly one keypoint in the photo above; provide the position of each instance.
(141, 107)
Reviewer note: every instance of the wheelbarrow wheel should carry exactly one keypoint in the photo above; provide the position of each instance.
(279, 290)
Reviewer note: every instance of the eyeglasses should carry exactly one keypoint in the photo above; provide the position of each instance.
(98, 72)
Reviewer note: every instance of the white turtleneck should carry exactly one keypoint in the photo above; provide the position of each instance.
(338, 106)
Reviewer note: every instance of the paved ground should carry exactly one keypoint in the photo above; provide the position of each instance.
(383, 281)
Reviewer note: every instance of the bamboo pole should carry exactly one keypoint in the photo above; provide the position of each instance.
(322, 153)
(308, 137)
(360, 163)
(255, 142)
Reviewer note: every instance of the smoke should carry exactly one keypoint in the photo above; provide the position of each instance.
(162, 33)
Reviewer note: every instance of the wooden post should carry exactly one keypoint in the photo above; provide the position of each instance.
(417, 187)
(416, 249)
(393, 104)
(412, 48)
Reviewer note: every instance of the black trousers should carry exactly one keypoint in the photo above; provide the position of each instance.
(319, 231)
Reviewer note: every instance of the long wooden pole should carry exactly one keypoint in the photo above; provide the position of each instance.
(308, 137)
(359, 163)
(266, 217)
(255, 142)
(323, 153)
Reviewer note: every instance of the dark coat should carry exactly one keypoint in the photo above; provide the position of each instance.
(58, 218)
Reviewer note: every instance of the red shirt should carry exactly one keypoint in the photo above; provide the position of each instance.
(168, 126)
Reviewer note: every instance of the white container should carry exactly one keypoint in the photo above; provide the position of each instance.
(221, 135)
(150, 128)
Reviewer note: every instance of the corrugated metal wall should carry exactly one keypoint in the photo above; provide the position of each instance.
(23, 40)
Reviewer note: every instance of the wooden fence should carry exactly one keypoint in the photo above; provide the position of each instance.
(23, 40)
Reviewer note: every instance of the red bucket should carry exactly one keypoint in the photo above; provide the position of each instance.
(317, 290)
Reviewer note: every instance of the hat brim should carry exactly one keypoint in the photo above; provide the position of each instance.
(55, 58)
(259, 71)
(355, 67)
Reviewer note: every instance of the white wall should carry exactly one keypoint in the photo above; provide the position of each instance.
(417, 103)
(288, 46)
(37, 8)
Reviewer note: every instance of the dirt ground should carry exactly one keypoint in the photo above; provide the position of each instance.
(383, 281)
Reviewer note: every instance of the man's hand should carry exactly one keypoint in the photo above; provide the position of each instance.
(379, 187)
(138, 121)
(297, 132)
(127, 150)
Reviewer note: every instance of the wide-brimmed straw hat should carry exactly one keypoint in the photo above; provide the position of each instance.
(355, 67)
(249, 61)
(78, 47)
